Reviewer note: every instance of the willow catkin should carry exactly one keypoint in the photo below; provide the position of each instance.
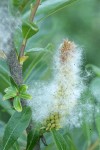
(54, 101)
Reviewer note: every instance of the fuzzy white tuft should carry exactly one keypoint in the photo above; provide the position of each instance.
(61, 95)
(8, 24)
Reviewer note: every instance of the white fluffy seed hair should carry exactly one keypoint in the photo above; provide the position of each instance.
(8, 24)
(62, 94)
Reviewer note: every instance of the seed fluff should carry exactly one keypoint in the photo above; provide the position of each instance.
(53, 102)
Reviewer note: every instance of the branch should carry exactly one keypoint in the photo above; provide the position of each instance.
(31, 18)
(22, 48)
(33, 10)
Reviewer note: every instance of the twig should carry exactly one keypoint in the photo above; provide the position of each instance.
(31, 18)
(33, 10)
(22, 48)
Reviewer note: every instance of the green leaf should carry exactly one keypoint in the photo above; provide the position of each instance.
(11, 89)
(15, 127)
(87, 130)
(17, 104)
(4, 76)
(23, 88)
(94, 68)
(13, 6)
(59, 140)
(95, 88)
(29, 29)
(16, 2)
(22, 140)
(25, 96)
(16, 6)
(15, 146)
(48, 8)
(18, 39)
(6, 105)
(2, 126)
(13, 83)
(97, 122)
(10, 93)
(38, 65)
(33, 137)
(70, 142)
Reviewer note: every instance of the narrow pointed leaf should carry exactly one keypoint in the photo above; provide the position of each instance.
(40, 66)
(13, 83)
(33, 138)
(48, 8)
(97, 122)
(17, 6)
(29, 29)
(70, 142)
(6, 106)
(15, 127)
(59, 140)
(4, 75)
